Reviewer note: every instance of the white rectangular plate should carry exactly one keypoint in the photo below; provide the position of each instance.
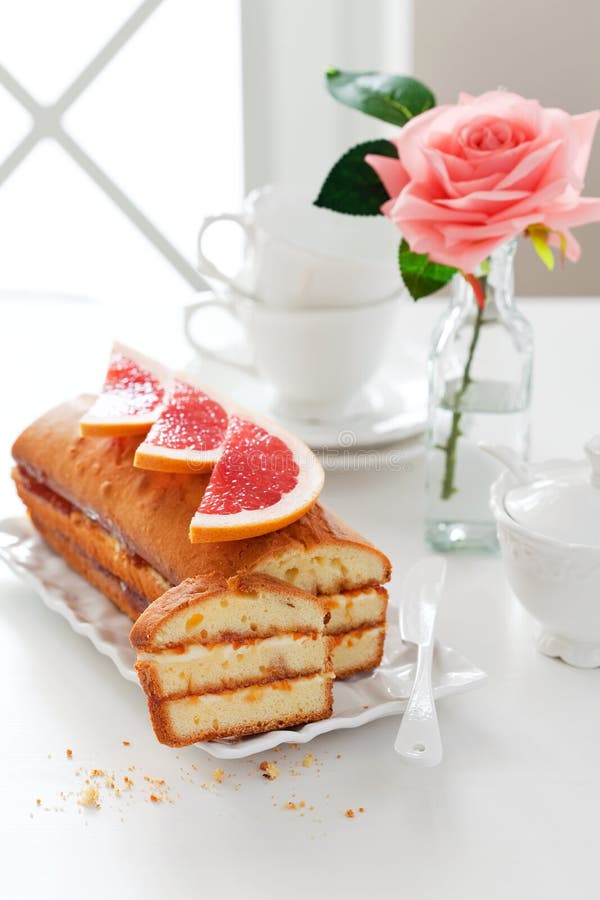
(356, 701)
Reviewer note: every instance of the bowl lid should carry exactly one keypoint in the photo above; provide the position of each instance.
(562, 503)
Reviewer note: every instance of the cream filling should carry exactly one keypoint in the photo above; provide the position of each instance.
(224, 649)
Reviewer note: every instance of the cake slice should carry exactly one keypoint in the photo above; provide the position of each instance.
(223, 657)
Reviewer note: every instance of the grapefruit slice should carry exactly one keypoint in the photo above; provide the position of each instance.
(189, 432)
(131, 397)
(264, 479)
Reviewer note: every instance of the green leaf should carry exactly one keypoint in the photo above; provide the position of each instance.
(421, 276)
(353, 186)
(392, 98)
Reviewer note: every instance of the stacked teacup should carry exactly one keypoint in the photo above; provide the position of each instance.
(317, 296)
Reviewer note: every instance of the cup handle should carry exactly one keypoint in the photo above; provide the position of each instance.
(214, 302)
(205, 265)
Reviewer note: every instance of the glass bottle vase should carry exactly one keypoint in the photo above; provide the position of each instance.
(479, 390)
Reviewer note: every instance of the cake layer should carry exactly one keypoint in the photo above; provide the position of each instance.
(149, 512)
(355, 609)
(198, 668)
(91, 538)
(249, 710)
(124, 598)
(211, 609)
(357, 651)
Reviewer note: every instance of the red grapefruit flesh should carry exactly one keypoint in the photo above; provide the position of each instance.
(264, 479)
(188, 434)
(131, 398)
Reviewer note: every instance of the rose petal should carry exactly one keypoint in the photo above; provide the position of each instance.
(391, 172)
(536, 201)
(477, 184)
(488, 201)
(530, 163)
(585, 125)
(572, 249)
(587, 210)
(409, 205)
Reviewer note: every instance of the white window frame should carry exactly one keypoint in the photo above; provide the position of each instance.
(292, 131)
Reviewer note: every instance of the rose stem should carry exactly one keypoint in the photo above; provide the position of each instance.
(449, 448)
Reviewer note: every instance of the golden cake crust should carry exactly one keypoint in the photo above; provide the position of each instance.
(151, 511)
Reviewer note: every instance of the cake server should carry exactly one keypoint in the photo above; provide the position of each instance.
(418, 739)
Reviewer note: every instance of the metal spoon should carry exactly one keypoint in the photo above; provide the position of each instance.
(418, 739)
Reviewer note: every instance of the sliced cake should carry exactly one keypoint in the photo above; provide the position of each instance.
(226, 657)
(125, 530)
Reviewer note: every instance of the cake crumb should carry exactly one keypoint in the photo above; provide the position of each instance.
(155, 799)
(302, 804)
(290, 805)
(218, 775)
(38, 802)
(308, 761)
(349, 813)
(89, 796)
(126, 743)
(269, 770)
(338, 756)
(69, 753)
(361, 809)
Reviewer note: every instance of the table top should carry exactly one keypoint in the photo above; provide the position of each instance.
(511, 812)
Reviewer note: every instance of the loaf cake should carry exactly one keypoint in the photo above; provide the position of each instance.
(126, 531)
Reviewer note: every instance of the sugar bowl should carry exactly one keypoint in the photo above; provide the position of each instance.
(548, 519)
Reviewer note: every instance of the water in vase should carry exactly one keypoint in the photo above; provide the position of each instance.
(459, 473)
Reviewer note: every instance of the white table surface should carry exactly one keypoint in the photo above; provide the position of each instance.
(510, 813)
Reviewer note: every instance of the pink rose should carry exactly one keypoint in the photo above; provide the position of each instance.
(474, 175)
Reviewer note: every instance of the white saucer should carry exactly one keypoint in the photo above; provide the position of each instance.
(391, 408)
(396, 457)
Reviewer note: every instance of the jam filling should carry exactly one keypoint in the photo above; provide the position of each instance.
(136, 600)
(36, 484)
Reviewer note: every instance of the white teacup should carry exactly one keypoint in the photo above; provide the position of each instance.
(316, 360)
(298, 255)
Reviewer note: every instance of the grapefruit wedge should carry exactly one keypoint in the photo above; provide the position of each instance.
(189, 432)
(264, 479)
(131, 398)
